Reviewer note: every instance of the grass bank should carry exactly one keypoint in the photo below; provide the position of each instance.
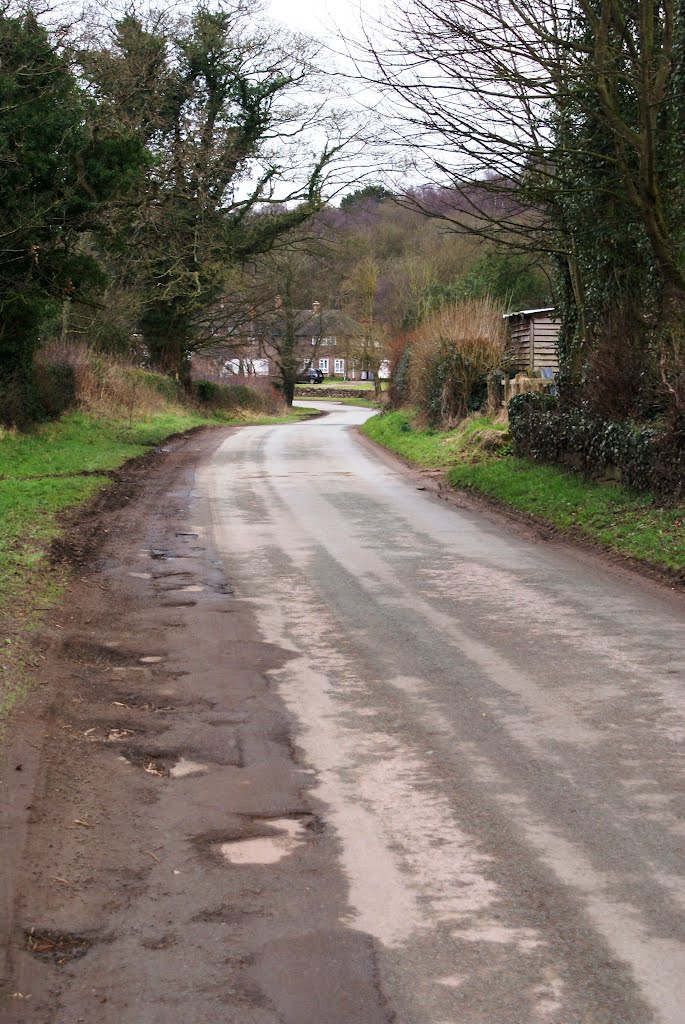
(475, 457)
(60, 465)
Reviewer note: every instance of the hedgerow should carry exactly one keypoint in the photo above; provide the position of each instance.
(643, 457)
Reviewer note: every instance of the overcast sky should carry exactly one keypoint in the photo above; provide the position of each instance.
(326, 20)
(319, 17)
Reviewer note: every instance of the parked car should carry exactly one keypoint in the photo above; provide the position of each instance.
(312, 376)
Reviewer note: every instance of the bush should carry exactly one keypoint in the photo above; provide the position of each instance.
(166, 387)
(56, 387)
(207, 393)
(452, 356)
(644, 458)
(234, 396)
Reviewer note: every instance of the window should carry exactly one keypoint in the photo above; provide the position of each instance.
(323, 365)
(324, 342)
(339, 365)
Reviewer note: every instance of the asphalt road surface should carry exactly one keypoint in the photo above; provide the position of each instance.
(312, 746)
(495, 727)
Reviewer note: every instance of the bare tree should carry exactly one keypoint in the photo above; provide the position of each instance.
(244, 146)
(522, 108)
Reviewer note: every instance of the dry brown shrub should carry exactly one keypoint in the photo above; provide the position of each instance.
(112, 387)
(115, 388)
(452, 355)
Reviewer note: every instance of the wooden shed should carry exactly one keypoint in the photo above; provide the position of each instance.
(534, 334)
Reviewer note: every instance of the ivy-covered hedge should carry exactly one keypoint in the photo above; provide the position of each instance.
(641, 457)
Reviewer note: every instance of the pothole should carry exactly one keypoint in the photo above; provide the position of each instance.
(134, 702)
(165, 763)
(109, 733)
(90, 652)
(139, 702)
(116, 735)
(167, 582)
(56, 947)
(185, 767)
(268, 849)
(153, 763)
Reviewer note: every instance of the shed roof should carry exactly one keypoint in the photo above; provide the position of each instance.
(530, 312)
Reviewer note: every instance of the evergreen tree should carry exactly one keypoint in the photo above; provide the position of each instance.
(58, 168)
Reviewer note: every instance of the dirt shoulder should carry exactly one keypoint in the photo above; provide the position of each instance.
(151, 794)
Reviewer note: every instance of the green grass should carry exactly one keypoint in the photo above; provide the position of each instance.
(433, 449)
(621, 520)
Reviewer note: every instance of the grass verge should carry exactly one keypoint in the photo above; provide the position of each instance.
(633, 525)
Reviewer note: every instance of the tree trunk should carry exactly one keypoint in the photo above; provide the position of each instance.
(671, 342)
(166, 340)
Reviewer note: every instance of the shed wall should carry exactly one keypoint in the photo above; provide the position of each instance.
(534, 343)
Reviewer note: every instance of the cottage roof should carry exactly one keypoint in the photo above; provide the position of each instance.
(320, 323)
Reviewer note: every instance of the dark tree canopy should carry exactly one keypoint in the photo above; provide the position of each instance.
(59, 167)
(368, 194)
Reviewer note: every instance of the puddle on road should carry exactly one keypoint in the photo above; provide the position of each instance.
(266, 849)
(141, 575)
(151, 659)
(194, 588)
(185, 767)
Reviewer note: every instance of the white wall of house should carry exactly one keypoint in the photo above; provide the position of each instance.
(247, 367)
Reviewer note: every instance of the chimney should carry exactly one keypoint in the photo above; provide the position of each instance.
(316, 308)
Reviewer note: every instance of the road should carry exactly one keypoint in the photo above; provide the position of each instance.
(496, 729)
(313, 746)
